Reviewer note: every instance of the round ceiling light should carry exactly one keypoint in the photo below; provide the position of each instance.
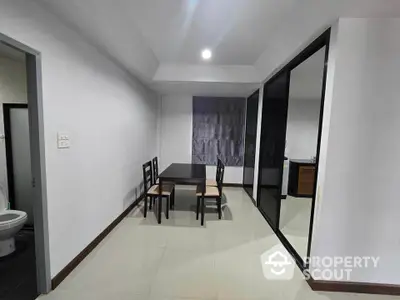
(206, 54)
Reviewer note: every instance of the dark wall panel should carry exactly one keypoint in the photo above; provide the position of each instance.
(250, 142)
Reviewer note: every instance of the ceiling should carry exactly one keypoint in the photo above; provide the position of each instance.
(148, 37)
(177, 30)
(204, 88)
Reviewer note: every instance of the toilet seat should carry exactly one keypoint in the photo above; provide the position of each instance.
(21, 217)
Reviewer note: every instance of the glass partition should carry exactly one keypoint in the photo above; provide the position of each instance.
(250, 142)
(272, 146)
(289, 147)
(302, 125)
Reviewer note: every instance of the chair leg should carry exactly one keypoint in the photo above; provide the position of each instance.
(172, 200)
(151, 202)
(167, 207)
(159, 208)
(202, 211)
(145, 206)
(219, 207)
(198, 208)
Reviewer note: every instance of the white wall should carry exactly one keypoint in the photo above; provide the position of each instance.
(111, 120)
(176, 137)
(302, 128)
(357, 212)
(176, 130)
(12, 90)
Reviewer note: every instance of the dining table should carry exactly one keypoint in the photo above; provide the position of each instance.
(183, 174)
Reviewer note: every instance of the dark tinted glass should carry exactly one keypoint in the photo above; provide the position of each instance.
(272, 147)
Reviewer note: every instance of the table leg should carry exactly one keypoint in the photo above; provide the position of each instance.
(202, 210)
(159, 204)
(172, 199)
(167, 207)
(198, 208)
(219, 205)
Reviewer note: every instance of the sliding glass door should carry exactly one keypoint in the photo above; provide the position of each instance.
(250, 142)
(272, 147)
(292, 114)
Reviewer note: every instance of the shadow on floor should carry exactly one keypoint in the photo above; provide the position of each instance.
(18, 270)
(184, 212)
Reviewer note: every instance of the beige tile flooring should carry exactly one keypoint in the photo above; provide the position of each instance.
(179, 259)
(295, 222)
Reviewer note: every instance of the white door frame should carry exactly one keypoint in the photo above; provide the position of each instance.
(37, 147)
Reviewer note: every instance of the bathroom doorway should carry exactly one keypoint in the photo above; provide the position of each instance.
(17, 238)
(23, 198)
(18, 159)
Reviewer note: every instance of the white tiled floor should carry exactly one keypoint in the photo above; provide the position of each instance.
(179, 259)
(295, 222)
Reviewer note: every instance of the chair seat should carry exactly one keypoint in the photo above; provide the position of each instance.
(211, 191)
(211, 182)
(154, 190)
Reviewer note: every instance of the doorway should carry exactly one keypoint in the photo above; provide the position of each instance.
(18, 158)
(33, 179)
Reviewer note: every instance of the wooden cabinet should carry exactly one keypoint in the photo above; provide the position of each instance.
(301, 178)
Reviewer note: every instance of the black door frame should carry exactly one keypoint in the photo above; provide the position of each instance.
(322, 41)
(8, 143)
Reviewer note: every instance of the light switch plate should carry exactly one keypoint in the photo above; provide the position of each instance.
(63, 141)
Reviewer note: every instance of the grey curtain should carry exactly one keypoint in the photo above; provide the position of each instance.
(218, 130)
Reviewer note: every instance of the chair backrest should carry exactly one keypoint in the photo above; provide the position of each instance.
(155, 169)
(219, 164)
(147, 176)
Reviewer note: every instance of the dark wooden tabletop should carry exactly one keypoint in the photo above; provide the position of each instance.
(183, 172)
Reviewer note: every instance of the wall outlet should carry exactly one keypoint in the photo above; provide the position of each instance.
(63, 141)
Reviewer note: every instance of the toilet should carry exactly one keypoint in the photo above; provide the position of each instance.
(11, 222)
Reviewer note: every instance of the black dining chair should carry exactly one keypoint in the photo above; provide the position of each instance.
(214, 192)
(156, 181)
(213, 182)
(154, 162)
(152, 190)
(155, 170)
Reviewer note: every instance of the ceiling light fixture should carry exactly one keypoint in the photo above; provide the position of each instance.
(206, 54)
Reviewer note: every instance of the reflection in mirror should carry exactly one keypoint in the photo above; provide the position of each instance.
(299, 172)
